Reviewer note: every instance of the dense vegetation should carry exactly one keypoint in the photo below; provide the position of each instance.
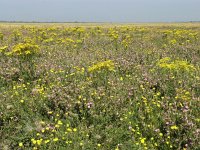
(110, 87)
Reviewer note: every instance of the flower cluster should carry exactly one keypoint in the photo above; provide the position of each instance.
(107, 65)
(24, 49)
(175, 65)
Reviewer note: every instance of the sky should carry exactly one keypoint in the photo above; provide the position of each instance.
(100, 10)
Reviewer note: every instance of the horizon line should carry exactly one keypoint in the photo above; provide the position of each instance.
(4, 21)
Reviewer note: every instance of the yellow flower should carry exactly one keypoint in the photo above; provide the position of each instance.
(57, 126)
(69, 130)
(174, 127)
(60, 122)
(39, 142)
(42, 122)
(21, 144)
(38, 134)
(55, 139)
(142, 140)
(117, 148)
(50, 112)
(46, 141)
(33, 141)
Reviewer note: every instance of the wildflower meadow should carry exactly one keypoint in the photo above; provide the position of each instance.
(100, 86)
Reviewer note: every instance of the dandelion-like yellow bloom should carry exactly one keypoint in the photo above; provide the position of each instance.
(33, 141)
(142, 140)
(21, 144)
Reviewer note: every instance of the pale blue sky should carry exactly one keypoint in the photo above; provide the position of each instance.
(100, 10)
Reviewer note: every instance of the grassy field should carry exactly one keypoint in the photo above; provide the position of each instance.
(100, 86)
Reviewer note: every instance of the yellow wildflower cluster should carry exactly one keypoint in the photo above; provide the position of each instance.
(174, 127)
(126, 41)
(113, 34)
(24, 49)
(179, 36)
(3, 49)
(79, 70)
(183, 95)
(16, 34)
(167, 63)
(108, 65)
